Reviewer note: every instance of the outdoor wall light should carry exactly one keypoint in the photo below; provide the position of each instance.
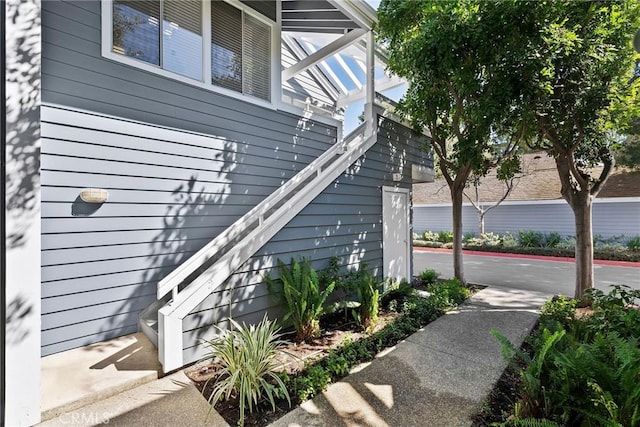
(94, 195)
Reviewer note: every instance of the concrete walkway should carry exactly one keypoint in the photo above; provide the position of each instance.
(439, 376)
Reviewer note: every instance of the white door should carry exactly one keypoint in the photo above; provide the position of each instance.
(396, 249)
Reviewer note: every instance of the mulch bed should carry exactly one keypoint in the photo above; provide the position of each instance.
(335, 327)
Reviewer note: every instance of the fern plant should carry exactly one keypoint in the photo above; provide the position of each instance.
(247, 355)
(368, 296)
(429, 276)
(298, 289)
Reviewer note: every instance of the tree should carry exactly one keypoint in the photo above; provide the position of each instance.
(508, 173)
(579, 88)
(627, 152)
(461, 87)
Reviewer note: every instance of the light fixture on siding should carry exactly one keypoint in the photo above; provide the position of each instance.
(94, 195)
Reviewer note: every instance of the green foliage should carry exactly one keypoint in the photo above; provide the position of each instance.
(448, 293)
(247, 358)
(368, 290)
(298, 288)
(430, 236)
(445, 236)
(613, 312)
(559, 309)
(552, 240)
(530, 239)
(331, 274)
(633, 244)
(486, 239)
(584, 370)
(314, 380)
(627, 153)
(508, 240)
(429, 276)
(395, 295)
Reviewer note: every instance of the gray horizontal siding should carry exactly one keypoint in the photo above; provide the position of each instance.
(345, 220)
(75, 74)
(610, 218)
(101, 264)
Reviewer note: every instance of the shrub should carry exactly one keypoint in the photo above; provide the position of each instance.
(247, 359)
(559, 309)
(448, 294)
(430, 236)
(614, 312)
(552, 240)
(508, 240)
(395, 295)
(429, 276)
(445, 236)
(530, 239)
(633, 244)
(584, 370)
(298, 289)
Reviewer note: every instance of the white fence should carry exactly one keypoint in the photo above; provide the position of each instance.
(611, 217)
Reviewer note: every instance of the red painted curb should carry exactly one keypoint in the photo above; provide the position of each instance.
(527, 256)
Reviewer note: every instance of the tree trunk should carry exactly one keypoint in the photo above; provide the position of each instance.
(481, 222)
(584, 243)
(456, 203)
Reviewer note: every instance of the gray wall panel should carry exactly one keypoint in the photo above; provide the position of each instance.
(610, 218)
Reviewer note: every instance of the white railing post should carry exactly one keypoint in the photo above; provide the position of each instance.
(169, 341)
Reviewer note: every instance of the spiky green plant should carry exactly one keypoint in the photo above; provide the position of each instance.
(368, 295)
(429, 276)
(298, 289)
(247, 355)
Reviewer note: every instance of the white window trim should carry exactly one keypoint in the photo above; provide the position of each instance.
(107, 52)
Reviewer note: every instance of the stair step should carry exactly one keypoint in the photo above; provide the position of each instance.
(148, 320)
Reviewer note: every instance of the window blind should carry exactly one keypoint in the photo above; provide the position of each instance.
(182, 37)
(256, 58)
(226, 46)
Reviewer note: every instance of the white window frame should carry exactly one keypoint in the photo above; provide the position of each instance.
(275, 87)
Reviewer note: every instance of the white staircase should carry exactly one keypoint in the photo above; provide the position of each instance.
(189, 284)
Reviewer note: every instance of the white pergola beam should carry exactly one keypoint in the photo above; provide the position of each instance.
(358, 94)
(323, 53)
(348, 71)
(327, 70)
(322, 79)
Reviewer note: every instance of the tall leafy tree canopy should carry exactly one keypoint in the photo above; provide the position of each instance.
(581, 93)
(455, 54)
(557, 74)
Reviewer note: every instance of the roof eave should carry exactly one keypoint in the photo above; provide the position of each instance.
(359, 11)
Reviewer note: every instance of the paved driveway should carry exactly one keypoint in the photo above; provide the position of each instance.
(553, 277)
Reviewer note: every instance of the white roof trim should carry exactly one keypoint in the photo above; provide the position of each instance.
(358, 11)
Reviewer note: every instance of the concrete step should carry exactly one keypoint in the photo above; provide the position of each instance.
(82, 376)
(148, 320)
